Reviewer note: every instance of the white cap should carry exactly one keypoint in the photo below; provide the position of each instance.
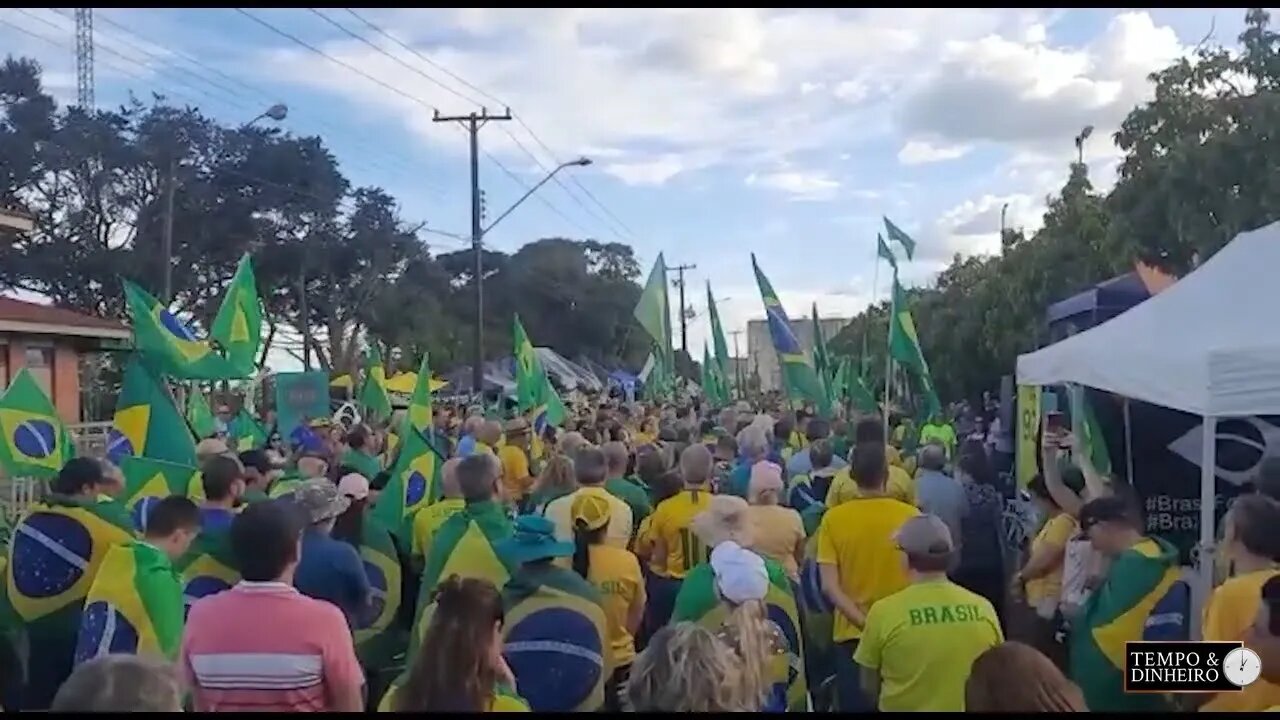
(740, 574)
(354, 486)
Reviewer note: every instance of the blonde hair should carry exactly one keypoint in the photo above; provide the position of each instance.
(748, 633)
(686, 668)
(120, 683)
(557, 476)
(1014, 677)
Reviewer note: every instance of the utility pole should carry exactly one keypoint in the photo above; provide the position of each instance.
(684, 318)
(166, 240)
(473, 122)
(737, 363)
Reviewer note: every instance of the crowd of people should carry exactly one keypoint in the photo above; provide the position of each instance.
(644, 557)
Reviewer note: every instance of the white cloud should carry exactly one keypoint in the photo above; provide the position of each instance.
(649, 172)
(799, 185)
(919, 152)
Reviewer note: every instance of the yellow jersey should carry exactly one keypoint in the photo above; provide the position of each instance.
(857, 537)
(616, 574)
(671, 524)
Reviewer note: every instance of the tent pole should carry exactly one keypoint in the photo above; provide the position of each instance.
(1128, 442)
(1208, 494)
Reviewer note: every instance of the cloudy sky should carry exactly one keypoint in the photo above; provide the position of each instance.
(714, 132)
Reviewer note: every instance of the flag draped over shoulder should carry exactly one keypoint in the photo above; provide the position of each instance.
(699, 602)
(208, 567)
(534, 392)
(414, 484)
(35, 443)
(134, 606)
(556, 640)
(465, 545)
(419, 416)
(238, 324)
(374, 401)
(798, 376)
(246, 432)
(168, 346)
(904, 347)
(147, 481)
(1138, 579)
(147, 423)
(56, 551)
(199, 414)
(377, 641)
(717, 341)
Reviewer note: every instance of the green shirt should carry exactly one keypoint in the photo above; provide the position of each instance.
(634, 495)
(363, 463)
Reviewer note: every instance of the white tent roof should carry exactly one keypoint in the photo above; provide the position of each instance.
(1209, 345)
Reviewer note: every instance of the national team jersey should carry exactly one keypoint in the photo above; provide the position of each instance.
(671, 523)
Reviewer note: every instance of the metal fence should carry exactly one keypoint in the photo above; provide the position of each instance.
(17, 494)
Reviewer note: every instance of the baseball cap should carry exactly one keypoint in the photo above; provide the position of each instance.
(354, 486)
(925, 536)
(590, 511)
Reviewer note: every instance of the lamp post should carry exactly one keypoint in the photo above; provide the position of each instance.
(477, 238)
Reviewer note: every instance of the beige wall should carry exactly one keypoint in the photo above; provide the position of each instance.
(60, 377)
(760, 352)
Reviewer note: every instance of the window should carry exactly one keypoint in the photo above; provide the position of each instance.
(39, 362)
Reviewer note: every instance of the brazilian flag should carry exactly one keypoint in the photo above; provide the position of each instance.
(208, 567)
(148, 481)
(556, 639)
(134, 606)
(246, 432)
(238, 324)
(377, 636)
(56, 552)
(414, 484)
(1138, 579)
(699, 602)
(147, 423)
(169, 347)
(34, 443)
(465, 545)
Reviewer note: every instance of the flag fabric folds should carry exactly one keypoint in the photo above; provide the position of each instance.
(208, 567)
(134, 606)
(147, 480)
(200, 415)
(419, 416)
(147, 423)
(653, 312)
(171, 348)
(35, 443)
(897, 235)
(718, 343)
(374, 401)
(713, 387)
(904, 347)
(798, 376)
(823, 364)
(884, 252)
(699, 602)
(377, 641)
(1084, 425)
(246, 432)
(237, 327)
(534, 392)
(414, 484)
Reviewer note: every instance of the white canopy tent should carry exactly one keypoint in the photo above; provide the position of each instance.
(1209, 346)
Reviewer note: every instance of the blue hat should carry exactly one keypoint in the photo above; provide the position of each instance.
(534, 539)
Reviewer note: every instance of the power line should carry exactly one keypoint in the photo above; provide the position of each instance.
(518, 119)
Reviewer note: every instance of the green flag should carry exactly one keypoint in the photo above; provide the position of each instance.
(798, 376)
(822, 363)
(904, 347)
(896, 235)
(147, 423)
(169, 346)
(35, 442)
(134, 605)
(718, 343)
(199, 414)
(374, 401)
(855, 390)
(414, 484)
(147, 480)
(534, 392)
(653, 310)
(1084, 425)
(713, 387)
(419, 415)
(246, 432)
(238, 324)
(883, 251)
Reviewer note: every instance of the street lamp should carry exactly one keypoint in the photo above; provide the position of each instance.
(477, 372)
(1084, 135)
(277, 112)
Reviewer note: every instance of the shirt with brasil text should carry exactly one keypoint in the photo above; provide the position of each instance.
(922, 641)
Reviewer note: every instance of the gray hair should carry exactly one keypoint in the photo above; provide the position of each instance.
(695, 464)
(753, 442)
(933, 457)
(120, 683)
(590, 465)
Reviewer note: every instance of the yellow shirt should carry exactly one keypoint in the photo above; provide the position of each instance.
(671, 522)
(857, 537)
(619, 532)
(428, 520)
(843, 488)
(1227, 616)
(1055, 533)
(776, 532)
(923, 640)
(616, 574)
(516, 481)
(482, 449)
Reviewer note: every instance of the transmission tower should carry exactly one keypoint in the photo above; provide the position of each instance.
(84, 57)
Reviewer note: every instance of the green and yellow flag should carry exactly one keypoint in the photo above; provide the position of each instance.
(718, 344)
(419, 416)
(535, 395)
(246, 432)
(713, 386)
(375, 629)
(237, 328)
(199, 414)
(169, 347)
(147, 480)
(897, 235)
(147, 423)
(34, 443)
(904, 347)
(653, 312)
(374, 401)
(823, 364)
(134, 606)
(414, 484)
(798, 376)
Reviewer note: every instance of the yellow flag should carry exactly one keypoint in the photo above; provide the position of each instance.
(1028, 431)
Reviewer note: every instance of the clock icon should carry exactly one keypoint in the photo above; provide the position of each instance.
(1242, 666)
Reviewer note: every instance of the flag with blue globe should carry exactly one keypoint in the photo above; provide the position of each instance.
(33, 441)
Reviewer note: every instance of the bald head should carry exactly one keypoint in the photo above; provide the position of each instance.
(472, 425)
(490, 432)
(615, 458)
(449, 478)
(695, 464)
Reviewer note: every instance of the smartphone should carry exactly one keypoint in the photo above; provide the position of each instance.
(1053, 422)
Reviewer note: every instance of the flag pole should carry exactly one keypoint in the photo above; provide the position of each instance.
(888, 357)
(866, 329)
